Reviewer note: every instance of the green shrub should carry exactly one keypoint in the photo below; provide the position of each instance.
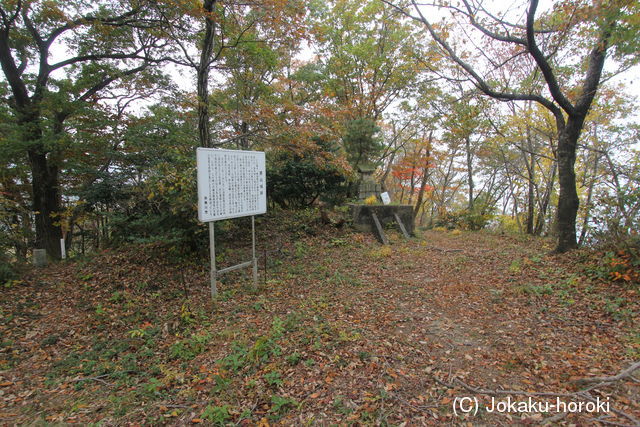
(163, 210)
(273, 378)
(189, 348)
(7, 270)
(297, 179)
(280, 406)
(464, 220)
(217, 415)
(619, 263)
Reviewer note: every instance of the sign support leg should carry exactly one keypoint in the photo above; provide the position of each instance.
(212, 253)
(253, 252)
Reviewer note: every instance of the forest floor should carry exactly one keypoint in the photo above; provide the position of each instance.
(342, 331)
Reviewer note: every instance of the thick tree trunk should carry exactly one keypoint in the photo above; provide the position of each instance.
(568, 201)
(46, 203)
(44, 184)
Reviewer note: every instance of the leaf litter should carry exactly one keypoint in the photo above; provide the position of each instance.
(341, 331)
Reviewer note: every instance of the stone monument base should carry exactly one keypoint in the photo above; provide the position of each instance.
(362, 219)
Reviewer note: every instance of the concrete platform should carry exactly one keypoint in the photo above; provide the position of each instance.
(362, 220)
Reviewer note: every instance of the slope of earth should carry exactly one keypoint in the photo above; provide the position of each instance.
(342, 331)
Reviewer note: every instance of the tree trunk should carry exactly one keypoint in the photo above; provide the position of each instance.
(516, 214)
(19, 244)
(425, 177)
(545, 201)
(621, 211)
(244, 140)
(531, 194)
(204, 132)
(383, 180)
(44, 184)
(587, 209)
(413, 184)
(467, 143)
(46, 203)
(568, 201)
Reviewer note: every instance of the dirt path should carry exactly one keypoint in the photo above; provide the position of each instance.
(344, 331)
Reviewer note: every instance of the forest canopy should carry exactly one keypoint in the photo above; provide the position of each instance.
(517, 119)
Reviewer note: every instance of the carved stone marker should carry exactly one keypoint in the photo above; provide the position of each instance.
(368, 186)
(40, 257)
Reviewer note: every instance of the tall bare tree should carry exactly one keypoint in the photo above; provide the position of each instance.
(603, 27)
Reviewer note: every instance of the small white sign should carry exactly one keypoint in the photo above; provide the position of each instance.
(385, 198)
(231, 183)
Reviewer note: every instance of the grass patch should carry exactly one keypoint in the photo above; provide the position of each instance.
(189, 348)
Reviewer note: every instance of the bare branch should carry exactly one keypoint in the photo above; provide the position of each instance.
(487, 32)
(108, 80)
(119, 20)
(594, 71)
(547, 72)
(189, 61)
(9, 20)
(478, 81)
(511, 25)
(98, 57)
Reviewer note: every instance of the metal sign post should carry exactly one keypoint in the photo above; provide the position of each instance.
(231, 184)
(212, 252)
(253, 252)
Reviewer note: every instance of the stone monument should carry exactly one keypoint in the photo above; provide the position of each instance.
(368, 186)
(373, 217)
(40, 257)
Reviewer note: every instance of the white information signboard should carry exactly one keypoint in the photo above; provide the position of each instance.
(231, 183)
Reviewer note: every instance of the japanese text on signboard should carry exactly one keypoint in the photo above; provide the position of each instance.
(231, 183)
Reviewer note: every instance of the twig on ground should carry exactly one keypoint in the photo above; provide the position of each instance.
(604, 380)
(554, 419)
(421, 408)
(585, 395)
(433, 248)
(98, 378)
(603, 420)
